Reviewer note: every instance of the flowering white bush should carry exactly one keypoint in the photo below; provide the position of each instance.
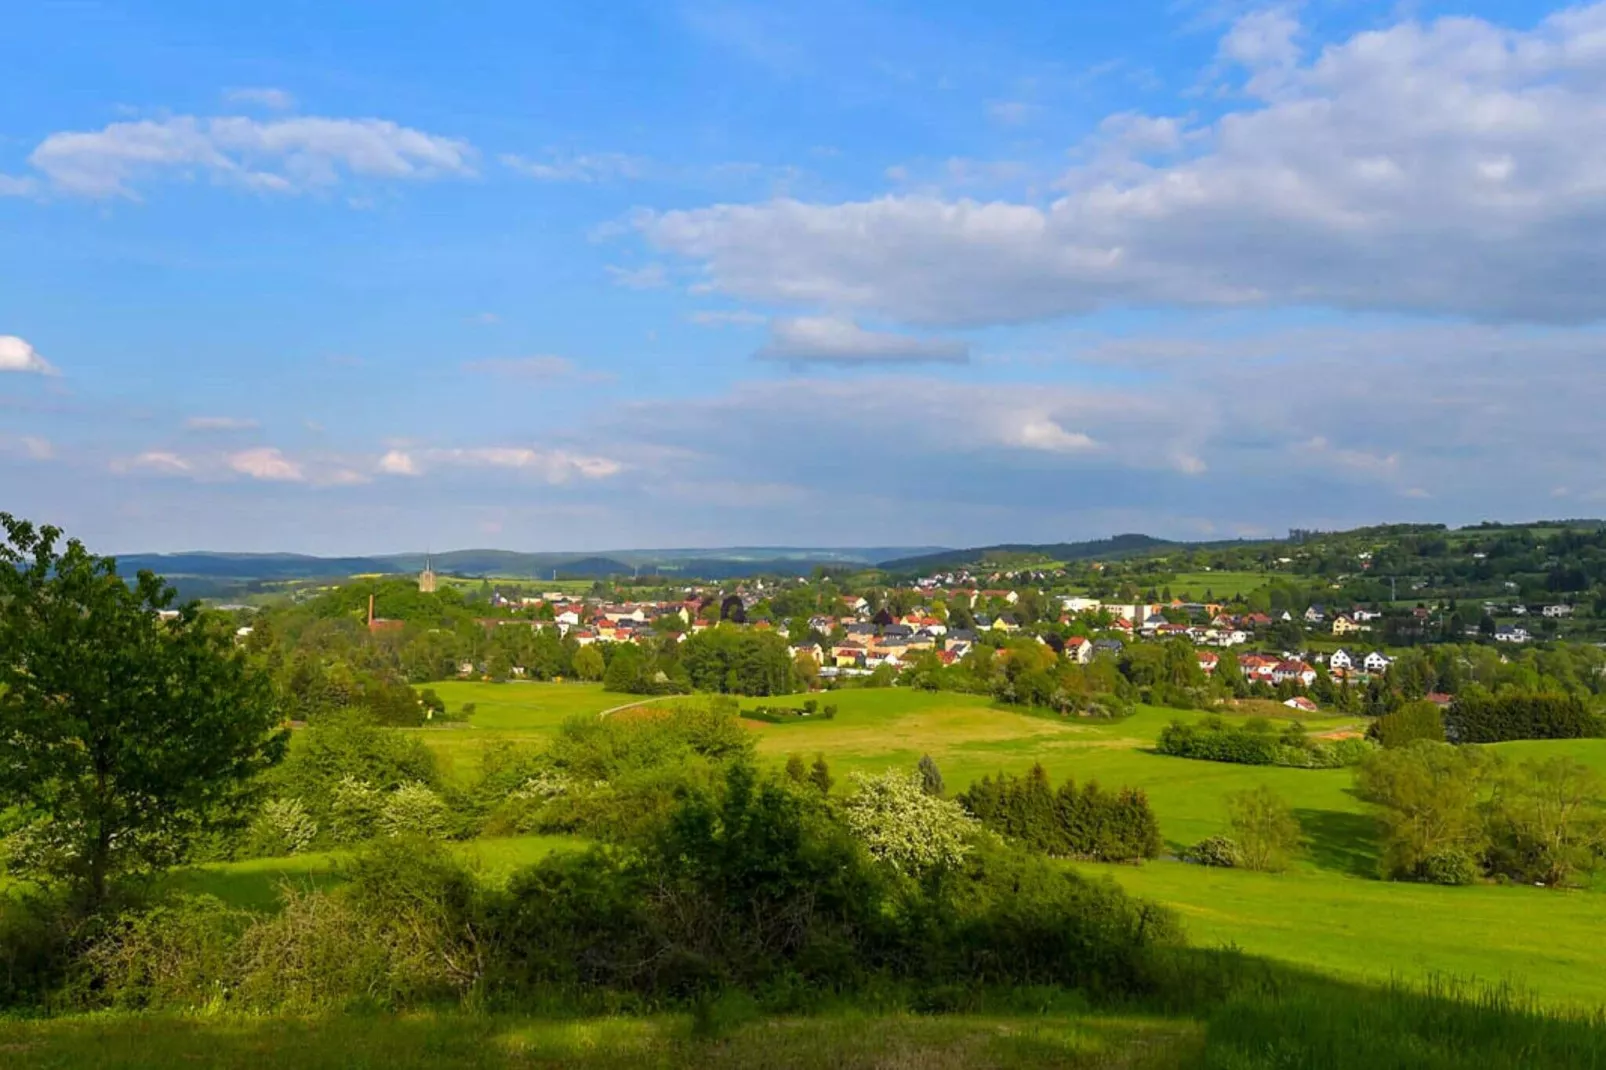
(903, 825)
(413, 809)
(283, 828)
(354, 808)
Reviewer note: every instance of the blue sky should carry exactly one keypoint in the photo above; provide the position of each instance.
(373, 277)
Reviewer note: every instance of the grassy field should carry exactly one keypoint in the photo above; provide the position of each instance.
(951, 1042)
(254, 885)
(1220, 584)
(1543, 941)
(517, 712)
(1329, 912)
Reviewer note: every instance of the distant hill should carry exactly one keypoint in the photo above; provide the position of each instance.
(220, 569)
(1116, 546)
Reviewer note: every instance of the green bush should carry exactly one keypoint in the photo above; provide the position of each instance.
(1257, 742)
(1213, 851)
(178, 954)
(282, 828)
(1476, 716)
(413, 810)
(1449, 865)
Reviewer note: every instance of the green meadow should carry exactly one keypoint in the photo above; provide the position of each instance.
(1329, 912)
(1219, 584)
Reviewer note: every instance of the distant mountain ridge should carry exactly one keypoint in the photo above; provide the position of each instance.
(1112, 548)
(712, 563)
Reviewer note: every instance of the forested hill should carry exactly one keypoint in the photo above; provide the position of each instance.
(1117, 546)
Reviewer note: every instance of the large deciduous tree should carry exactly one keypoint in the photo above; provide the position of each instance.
(127, 729)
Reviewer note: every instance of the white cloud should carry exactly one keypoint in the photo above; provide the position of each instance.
(16, 355)
(583, 167)
(1453, 167)
(1045, 434)
(154, 462)
(261, 96)
(266, 463)
(281, 155)
(544, 368)
(15, 186)
(398, 463)
(828, 340)
(220, 423)
(647, 277)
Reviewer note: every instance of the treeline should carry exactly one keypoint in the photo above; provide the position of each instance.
(1088, 823)
(1257, 741)
(1477, 716)
(723, 660)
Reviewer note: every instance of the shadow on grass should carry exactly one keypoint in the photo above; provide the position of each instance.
(255, 888)
(1338, 841)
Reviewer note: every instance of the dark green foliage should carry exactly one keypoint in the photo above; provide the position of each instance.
(126, 737)
(350, 744)
(820, 775)
(1070, 823)
(1257, 742)
(1476, 716)
(1412, 721)
(738, 661)
(931, 777)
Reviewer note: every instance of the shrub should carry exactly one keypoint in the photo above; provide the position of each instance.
(1257, 742)
(354, 808)
(413, 810)
(1213, 851)
(282, 828)
(176, 954)
(904, 825)
(1449, 865)
(1428, 795)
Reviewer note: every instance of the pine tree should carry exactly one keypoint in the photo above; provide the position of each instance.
(820, 775)
(931, 777)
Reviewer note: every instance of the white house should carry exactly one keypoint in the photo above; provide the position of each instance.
(1340, 659)
(1077, 604)
(1558, 611)
(1510, 633)
(1377, 662)
(1079, 650)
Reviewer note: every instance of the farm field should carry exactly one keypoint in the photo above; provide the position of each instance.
(1219, 584)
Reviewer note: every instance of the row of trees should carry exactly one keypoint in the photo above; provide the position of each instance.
(1069, 822)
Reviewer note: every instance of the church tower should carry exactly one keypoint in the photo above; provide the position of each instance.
(426, 578)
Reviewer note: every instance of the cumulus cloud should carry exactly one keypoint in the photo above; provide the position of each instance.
(262, 97)
(266, 463)
(1042, 433)
(289, 155)
(828, 340)
(1451, 167)
(220, 423)
(16, 355)
(398, 463)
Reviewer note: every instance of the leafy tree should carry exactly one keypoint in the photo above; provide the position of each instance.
(931, 777)
(796, 771)
(1546, 824)
(1264, 829)
(1412, 721)
(820, 775)
(588, 663)
(1429, 797)
(124, 734)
